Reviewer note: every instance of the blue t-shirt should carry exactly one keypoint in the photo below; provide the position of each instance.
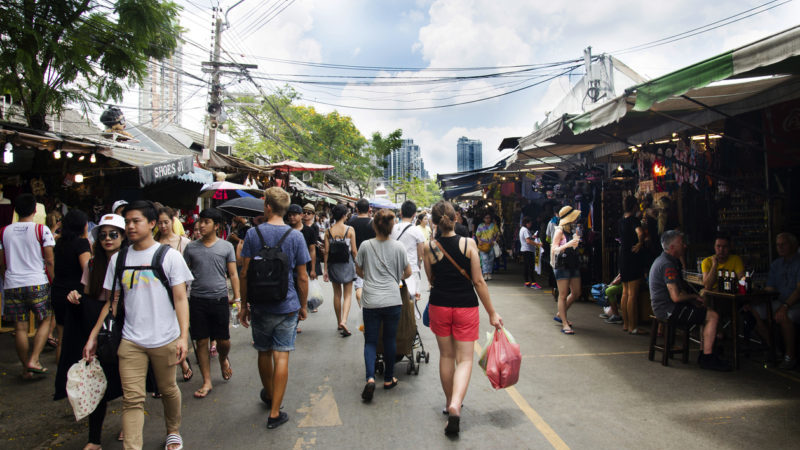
(784, 276)
(294, 246)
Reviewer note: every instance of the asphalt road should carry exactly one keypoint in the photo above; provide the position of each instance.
(595, 389)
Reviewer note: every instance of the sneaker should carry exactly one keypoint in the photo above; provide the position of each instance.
(604, 316)
(277, 421)
(614, 320)
(527, 284)
(536, 286)
(788, 363)
(712, 362)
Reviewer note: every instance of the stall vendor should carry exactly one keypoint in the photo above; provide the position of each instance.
(784, 278)
(721, 260)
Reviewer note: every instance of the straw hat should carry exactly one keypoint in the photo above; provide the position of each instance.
(568, 214)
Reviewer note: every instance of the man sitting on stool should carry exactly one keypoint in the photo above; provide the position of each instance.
(672, 301)
(721, 260)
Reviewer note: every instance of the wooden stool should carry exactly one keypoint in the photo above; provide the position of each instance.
(669, 341)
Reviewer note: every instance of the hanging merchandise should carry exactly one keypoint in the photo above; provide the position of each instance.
(694, 178)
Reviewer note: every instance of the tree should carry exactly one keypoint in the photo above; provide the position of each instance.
(80, 51)
(279, 129)
(422, 192)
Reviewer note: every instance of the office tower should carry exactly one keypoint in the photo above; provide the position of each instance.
(469, 154)
(405, 163)
(160, 94)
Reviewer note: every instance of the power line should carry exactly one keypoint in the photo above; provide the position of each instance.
(702, 29)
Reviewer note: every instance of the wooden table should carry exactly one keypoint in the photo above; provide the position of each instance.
(732, 303)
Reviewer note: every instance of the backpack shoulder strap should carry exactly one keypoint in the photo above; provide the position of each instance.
(404, 231)
(260, 237)
(119, 268)
(283, 238)
(158, 269)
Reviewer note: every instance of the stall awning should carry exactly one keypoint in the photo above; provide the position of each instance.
(297, 166)
(153, 167)
(776, 54)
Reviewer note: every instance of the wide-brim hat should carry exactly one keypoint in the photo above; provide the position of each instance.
(568, 214)
(309, 207)
(114, 220)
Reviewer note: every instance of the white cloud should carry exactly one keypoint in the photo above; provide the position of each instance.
(356, 52)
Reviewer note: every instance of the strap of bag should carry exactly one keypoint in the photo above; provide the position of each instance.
(404, 231)
(280, 242)
(452, 261)
(261, 238)
(385, 266)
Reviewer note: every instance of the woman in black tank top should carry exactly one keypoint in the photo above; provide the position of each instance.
(453, 307)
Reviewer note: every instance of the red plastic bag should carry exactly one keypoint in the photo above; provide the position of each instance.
(503, 359)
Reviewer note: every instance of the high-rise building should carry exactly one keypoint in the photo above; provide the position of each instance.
(469, 154)
(405, 163)
(160, 95)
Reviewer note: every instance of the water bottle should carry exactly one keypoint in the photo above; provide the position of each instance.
(235, 315)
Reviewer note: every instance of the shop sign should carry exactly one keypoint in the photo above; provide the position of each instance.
(154, 173)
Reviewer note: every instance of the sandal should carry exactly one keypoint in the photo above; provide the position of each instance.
(52, 342)
(188, 373)
(201, 393)
(639, 332)
(227, 374)
(39, 370)
(345, 332)
(558, 319)
(390, 385)
(212, 352)
(174, 439)
(568, 331)
(453, 425)
(368, 391)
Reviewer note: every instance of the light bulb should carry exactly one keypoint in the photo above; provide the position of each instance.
(81, 158)
(78, 178)
(9, 147)
(57, 154)
(8, 157)
(620, 169)
(92, 159)
(69, 154)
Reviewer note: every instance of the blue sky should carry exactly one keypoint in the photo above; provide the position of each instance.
(462, 33)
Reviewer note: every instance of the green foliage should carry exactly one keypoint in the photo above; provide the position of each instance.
(423, 192)
(80, 51)
(279, 129)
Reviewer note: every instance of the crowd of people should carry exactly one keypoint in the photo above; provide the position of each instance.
(167, 293)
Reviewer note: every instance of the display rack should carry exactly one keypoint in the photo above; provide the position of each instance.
(744, 219)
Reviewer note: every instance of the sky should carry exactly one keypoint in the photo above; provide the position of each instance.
(422, 38)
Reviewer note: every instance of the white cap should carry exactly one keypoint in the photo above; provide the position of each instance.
(114, 220)
(117, 204)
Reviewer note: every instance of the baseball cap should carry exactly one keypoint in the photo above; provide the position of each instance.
(309, 207)
(117, 204)
(295, 209)
(114, 220)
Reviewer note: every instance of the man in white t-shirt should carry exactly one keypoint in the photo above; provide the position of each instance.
(26, 258)
(155, 330)
(411, 237)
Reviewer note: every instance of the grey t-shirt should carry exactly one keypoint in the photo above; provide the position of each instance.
(209, 265)
(381, 279)
(665, 270)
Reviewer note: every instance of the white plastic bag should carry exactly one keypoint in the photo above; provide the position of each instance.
(314, 294)
(497, 251)
(86, 385)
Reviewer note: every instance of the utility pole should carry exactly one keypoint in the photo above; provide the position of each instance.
(215, 105)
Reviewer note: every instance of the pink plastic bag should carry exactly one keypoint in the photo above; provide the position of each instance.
(503, 359)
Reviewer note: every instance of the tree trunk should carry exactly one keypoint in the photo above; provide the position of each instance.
(38, 121)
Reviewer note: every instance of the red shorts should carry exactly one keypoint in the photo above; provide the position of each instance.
(461, 323)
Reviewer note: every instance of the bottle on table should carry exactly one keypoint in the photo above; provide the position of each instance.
(720, 281)
(726, 282)
(748, 281)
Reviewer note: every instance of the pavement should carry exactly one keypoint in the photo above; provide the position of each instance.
(595, 390)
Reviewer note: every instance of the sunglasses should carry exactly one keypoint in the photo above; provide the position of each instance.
(308, 212)
(108, 235)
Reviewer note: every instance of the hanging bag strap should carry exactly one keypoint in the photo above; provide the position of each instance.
(404, 231)
(452, 261)
(385, 266)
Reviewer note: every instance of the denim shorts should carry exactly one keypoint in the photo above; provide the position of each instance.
(566, 274)
(273, 332)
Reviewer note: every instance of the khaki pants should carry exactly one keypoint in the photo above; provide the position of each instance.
(133, 361)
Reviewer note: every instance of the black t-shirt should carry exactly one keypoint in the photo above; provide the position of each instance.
(68, 270)
(363, 229)
(311, 238)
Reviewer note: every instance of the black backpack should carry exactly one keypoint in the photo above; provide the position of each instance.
(338, 252)
(111, 334)
(268, 273)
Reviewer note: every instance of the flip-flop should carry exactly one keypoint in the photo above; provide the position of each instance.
(188, 371)
(201, 393)
(565, 331)
(174, 439)
(391, 385)
(229, 372)
(368, 391)
(345, 332)
(39, 370)
(452, 428)
(558, 319)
